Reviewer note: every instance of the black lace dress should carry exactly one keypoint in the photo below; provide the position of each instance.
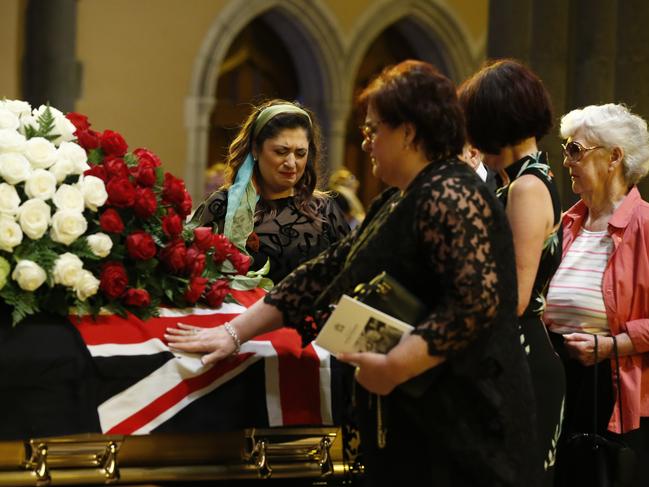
(446, 238)
(287, 236)
(545, 365)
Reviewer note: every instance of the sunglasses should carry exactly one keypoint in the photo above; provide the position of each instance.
(574, 151)
(369, 129)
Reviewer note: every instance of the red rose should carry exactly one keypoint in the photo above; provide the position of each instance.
(113, 280)
(97, 171)
(78, 120)
(112, 143)
(203, 238)
(173, 256)
(173, 189)
(172, 224)
(116, 167)
(145, 203)
(195, 289)
(121, 193)
(88, 139)
(111, 222)
(252, 242)
(144, 173)
(195, 261)
(140, 245)
(137, 297)
(241, 262)
(223, 248)
(185, 208)
(217, 293)
(145, 155)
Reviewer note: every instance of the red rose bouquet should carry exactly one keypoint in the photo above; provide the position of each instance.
(155, 258)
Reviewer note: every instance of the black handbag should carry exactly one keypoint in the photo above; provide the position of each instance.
(386, 294)
(595, 460)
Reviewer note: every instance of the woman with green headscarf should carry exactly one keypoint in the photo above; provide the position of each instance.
(270, 205)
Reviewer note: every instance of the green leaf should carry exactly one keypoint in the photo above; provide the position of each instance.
(95, 156)
(23, 303)
(245, 283)
(46, 124)
(131, 159)
(266, 284)
(261, 272)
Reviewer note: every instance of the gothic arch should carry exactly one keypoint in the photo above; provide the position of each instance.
(317, 53)
(432, 30)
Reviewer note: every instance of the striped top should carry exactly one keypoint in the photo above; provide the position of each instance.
(575, 302)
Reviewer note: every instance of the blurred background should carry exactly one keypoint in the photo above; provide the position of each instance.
(178, 76)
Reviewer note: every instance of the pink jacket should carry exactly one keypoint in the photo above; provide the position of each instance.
(625, 287)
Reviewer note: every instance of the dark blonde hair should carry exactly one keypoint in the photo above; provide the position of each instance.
(306, 194)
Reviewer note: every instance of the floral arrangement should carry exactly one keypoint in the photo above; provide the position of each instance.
(87, 225)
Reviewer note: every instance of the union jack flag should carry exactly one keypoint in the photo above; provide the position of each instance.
(146, 387)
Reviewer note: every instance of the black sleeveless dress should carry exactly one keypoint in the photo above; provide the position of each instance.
(545, 365)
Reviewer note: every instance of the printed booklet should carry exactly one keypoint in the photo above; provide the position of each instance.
(356, 327)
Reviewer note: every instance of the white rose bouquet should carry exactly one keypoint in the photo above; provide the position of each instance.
(47, 254)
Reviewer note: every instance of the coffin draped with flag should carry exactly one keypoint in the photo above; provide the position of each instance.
(118, 376)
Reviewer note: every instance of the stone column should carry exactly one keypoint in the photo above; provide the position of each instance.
(632, 62)
(50, 70)
(510, 29)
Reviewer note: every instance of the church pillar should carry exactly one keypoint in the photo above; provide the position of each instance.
(50, 70)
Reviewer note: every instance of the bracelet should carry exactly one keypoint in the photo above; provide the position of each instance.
(235, 338)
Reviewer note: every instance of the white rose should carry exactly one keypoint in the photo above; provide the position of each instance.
(40, 152)
(11, 141)
(100, 244)
(10, 233)
(17, 107)
(14, 167)
(93, 190)
(62, 168)
(67, 226)
(41, 184)
(8, 120)
(67, 269)
(68, 197)
(34, 217)
(9, 199)
(29, 275)
(76, 155)
(87, 285)
(63, 128)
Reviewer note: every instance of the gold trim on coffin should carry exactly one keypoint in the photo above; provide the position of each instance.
(112, 459)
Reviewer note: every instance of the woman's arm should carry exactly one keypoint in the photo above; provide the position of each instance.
(217, 343)
(530, 214)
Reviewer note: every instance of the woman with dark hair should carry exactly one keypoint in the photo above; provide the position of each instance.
(507, 110)
(269, 204)
(441, 233)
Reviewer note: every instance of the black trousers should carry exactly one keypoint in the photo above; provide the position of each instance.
(579, 414)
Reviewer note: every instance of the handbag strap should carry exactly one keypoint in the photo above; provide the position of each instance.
(595, 388)
(617, 382)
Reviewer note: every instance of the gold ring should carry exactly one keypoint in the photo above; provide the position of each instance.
(357, 371)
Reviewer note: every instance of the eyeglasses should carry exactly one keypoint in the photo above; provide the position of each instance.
(369, 129)
(574, 151)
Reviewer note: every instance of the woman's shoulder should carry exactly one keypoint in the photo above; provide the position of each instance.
(213, 208)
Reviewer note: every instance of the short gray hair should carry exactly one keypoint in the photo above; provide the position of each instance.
(613, 125)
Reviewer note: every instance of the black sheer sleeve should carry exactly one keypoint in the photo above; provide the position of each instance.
(453, 222)
(295, 295)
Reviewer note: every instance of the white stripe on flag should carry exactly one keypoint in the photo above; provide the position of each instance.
(325, 384)
(150, 347)
(226, 308)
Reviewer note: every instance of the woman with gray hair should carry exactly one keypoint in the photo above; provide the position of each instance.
(602, 285)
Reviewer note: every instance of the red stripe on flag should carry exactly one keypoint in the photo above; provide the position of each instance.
(172, 397)
(299, 378)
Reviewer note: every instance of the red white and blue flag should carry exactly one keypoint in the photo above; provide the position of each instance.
(145, 387)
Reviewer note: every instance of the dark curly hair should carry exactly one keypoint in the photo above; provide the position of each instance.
(417, 93)
(305, 192)
(504, 103)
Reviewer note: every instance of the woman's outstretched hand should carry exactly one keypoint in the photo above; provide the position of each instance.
(216, 343)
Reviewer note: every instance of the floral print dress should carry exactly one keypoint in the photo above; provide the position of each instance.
(546, 367)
